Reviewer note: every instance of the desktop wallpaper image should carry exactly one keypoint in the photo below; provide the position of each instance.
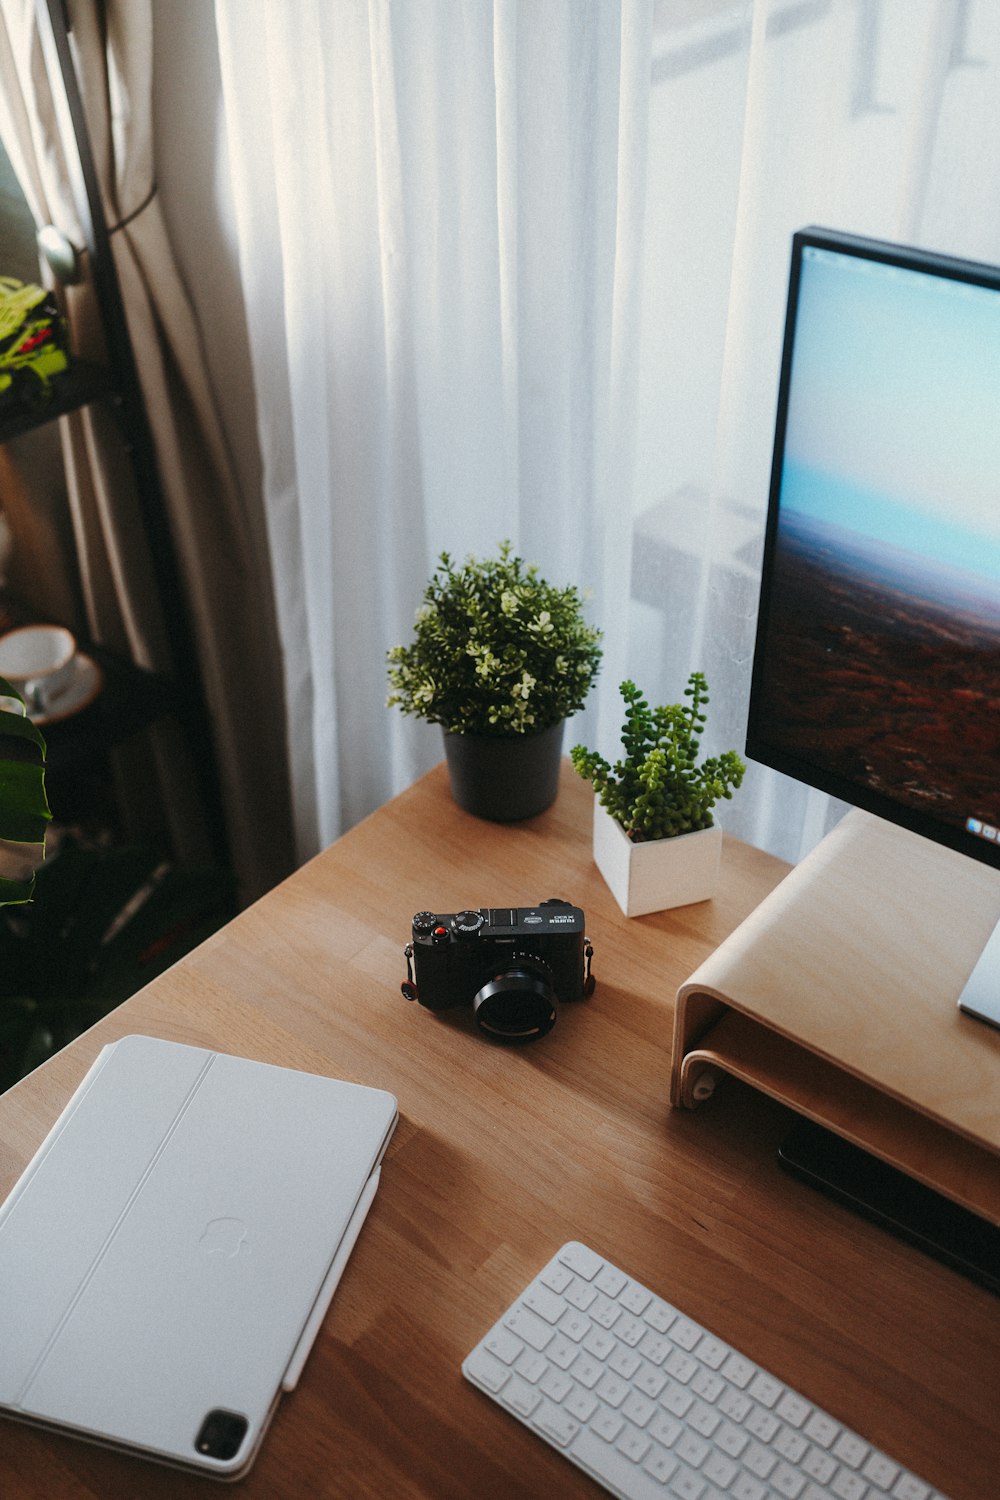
(884, 617)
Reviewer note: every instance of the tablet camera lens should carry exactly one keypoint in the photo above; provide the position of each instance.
(221, 1434)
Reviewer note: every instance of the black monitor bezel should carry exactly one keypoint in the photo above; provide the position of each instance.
(758, 747)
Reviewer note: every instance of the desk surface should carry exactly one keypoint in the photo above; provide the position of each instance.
(501, 1155)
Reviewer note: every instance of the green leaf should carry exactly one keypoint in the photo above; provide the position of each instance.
(24, 807)
(13, 892)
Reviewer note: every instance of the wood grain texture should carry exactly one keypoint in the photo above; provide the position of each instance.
(501, 1155)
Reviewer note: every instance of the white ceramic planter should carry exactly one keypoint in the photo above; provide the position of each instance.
(660, 874)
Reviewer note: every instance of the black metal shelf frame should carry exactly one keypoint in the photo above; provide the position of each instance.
(118, 386)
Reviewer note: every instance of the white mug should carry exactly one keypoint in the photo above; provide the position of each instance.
(39, 660)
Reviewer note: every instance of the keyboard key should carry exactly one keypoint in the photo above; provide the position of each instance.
(580, 1260)
(791, 1445)
(587, 1370)
(821, 1467)
(575, 1325)
(759, 1460)
(611, 1467)
(685, 1485)
(610, 1281)
(746, 1487)
(821, 1428)
(739, 1370)
(707, 1384)
(600, 1343)
(612, 1389)
(503, 1345)
(676, 1399)
(604, 1311)
(848, 1485)
(556, 1424)
(909, 1488)
(650, 1404)
(488, 1371)
(607, 1424)
(732, 1440)
(762, 1424)
(703, 1419)
(685, 1333)
(556, 1383)
(681, 1366)
(735, 1405)
(720, 1469)
(765, 1389)
(654, 1347)
(712, 1352)
(692, 1448)
(633, 1443)
(850, 1450)
(531, 1365)
(582, 1295)
(635, 1299)
(526, 1325)
(545, 1303)
(880, 1470)
(581, 1403)
(647, 1379)
(561, 1352)
(630, 1330)
(792, 1409)
(659, 1315)
(556, 1277)
(625, 1362)
(637, 1407)
(517, 1393)
(789, 1482)
(659, 1464)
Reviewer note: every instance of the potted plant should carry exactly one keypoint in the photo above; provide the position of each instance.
(24, 808)
(500, 659)
(655, 840)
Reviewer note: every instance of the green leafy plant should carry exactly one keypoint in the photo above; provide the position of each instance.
(24, 808)
(105, 921)
(497, 650)
(658, 789)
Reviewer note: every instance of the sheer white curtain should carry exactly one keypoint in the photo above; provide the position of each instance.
(516, 268)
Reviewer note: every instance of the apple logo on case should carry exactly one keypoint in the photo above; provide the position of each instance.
(226, 1237)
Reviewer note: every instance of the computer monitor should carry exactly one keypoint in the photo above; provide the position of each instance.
(877, 664)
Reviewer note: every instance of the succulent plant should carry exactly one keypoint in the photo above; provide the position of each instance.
(658, 790)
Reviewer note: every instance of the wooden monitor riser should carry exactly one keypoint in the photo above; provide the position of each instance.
(839, 996)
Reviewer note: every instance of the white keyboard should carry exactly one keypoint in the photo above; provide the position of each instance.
(653, 1405)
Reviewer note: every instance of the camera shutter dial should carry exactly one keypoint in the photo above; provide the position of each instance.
(468, 923)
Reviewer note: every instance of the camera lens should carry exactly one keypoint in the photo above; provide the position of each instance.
(517, 1005)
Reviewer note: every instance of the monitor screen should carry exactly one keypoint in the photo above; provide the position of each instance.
(877, 664)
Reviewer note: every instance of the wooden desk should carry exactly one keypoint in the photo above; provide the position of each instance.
(501, 1155)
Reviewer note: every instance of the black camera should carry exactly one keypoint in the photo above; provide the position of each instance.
(511, 964)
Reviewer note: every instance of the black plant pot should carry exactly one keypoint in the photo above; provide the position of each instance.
(505, 777)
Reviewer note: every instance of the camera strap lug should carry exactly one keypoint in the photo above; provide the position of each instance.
(408, 988)
(589, 981)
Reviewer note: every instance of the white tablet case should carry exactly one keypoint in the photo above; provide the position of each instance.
(173, 1245)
